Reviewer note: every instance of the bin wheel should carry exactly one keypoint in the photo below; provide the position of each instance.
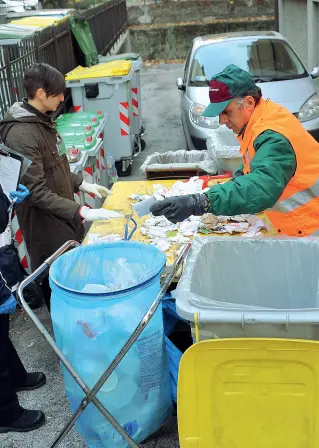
(119, 169)
(143, 145)
(33, 296)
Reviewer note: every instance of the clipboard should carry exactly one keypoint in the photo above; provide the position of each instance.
(12, 167)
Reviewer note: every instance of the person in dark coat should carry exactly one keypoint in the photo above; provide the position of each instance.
(13, 376)
(50, 216)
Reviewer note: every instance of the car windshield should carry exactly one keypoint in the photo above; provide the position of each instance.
(265, 59)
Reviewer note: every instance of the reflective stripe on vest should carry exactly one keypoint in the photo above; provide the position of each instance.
(296, 200)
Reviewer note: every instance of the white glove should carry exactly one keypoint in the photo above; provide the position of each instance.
(97, 214)
(96, 189)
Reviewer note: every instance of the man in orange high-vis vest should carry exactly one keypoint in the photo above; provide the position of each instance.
(280, 171)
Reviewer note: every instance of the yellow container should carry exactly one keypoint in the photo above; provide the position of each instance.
(42, 22)
(249, 393)
(108, 69)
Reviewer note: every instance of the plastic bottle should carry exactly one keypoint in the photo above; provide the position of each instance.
(112, 173)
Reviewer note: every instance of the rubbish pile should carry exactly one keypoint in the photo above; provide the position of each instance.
(249, 225)
(162, 233)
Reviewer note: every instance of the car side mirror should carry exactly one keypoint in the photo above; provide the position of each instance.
(315, 72)
(180, 84)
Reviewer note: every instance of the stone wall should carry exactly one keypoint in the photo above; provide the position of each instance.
(173, 41)
(175, 11)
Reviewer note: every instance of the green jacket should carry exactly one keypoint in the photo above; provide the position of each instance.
(272, 167)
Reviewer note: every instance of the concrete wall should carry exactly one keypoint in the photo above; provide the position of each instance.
(173, 42)
(176, 11)
(293, 25)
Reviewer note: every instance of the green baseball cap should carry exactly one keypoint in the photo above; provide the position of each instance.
(225, 86)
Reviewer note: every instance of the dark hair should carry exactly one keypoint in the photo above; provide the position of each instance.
(43, 76)
(255, 92)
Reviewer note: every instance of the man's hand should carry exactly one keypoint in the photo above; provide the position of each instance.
(178, 208)
(19, 195)
(97, 214)
(96, 189)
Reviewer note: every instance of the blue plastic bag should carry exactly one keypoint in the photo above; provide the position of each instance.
(170, 318)
(91, 327)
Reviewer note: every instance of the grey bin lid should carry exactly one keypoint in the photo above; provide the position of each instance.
(120, 57)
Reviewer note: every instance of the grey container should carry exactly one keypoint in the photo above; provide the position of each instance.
(112, 95)
(243, 287)
(137, 63)
(178, 164)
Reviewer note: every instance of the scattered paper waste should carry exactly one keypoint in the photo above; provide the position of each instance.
(144, 202)
(179, 239)
(139, 197)
(189, 228)
(179, 188)
(161, 243)
(230, 224)
(162, 233)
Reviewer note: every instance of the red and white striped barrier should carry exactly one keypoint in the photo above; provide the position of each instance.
(124, 119)
(135, 101)
(22, 250)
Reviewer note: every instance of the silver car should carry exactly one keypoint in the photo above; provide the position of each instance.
(268, 57)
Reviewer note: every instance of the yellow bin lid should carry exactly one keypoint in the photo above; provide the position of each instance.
(248, 393)
(108, 69)
(43, 22)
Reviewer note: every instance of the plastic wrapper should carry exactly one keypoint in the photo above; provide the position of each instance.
(99, 295)
(223, 149)
(243, 280)
(179, 160)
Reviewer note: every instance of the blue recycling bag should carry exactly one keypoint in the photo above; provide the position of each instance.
(170, 318)
(99, 295)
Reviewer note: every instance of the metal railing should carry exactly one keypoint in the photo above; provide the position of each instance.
(107, 22)
(54, 45)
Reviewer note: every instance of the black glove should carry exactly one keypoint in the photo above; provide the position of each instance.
(178, 208)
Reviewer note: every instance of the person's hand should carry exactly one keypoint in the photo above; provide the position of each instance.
(97, 214)
(178, 208)
(19, 195)
(9, 306)
(96, 189)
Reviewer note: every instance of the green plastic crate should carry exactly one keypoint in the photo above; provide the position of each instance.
(84, 129)
(81, 119)
(80, 141)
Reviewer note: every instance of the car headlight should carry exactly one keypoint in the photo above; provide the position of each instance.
(195, 114)
(310, 109)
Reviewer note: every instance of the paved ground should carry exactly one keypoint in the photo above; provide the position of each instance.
(164, 132)
(161, 113)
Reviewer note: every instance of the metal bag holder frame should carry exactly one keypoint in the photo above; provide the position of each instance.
(90, 394)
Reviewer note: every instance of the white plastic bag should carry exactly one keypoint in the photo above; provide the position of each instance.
(223, 149)
(181, 159)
